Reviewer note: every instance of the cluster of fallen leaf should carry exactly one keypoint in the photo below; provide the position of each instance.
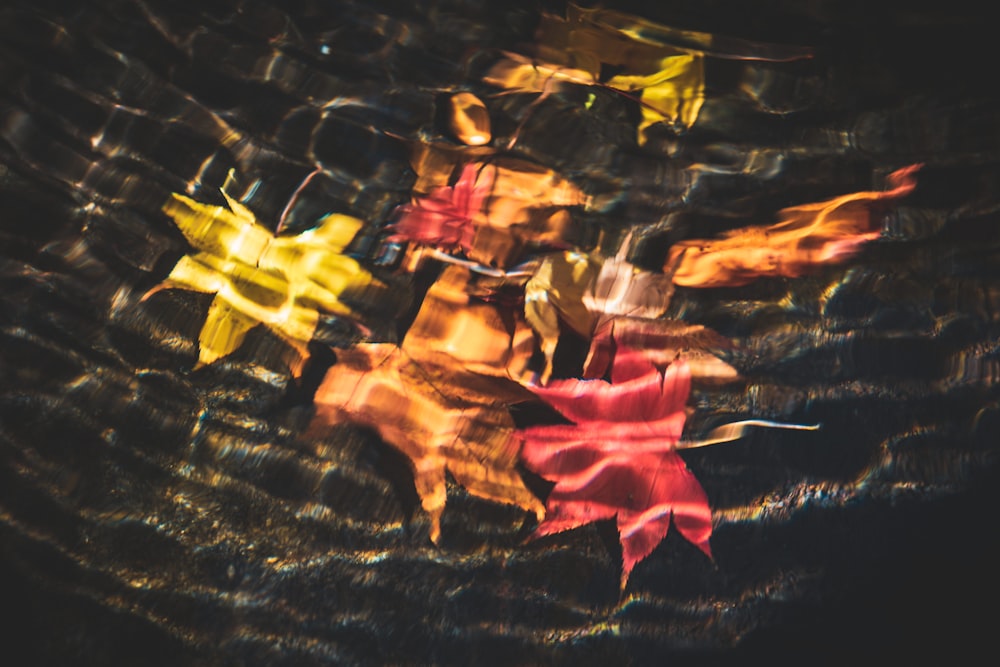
(496, 224)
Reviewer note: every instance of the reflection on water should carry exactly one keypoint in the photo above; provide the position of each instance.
(160, 512)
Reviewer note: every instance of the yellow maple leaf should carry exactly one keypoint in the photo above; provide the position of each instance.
(282, 282)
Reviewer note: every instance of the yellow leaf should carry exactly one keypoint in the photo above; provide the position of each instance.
(675, 93)
(670, 80)
(257, 278)
(556, 293)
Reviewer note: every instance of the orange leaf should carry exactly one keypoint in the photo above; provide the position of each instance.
(826, 232)
(424, 399)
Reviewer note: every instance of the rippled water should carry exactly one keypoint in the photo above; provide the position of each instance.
(151, 513)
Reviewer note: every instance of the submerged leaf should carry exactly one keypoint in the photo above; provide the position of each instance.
(826, 232)
(458, 332)
(441, 398)
(632, 31)
(674, 93)
(668, 82)
(258, 278)
(586, 292)
(444, 218)
(618, 459)
(660, 67)
(660, 342)
(492, 211)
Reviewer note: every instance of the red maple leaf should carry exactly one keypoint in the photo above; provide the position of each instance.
(619, 459)
(445, 216)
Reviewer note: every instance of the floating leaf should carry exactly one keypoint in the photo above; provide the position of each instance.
(453, 330)
(668, 83)
(618, 38)
(674, 93)
(518, 73)
(436, 163)
(618, 459)
(258, 278)
(444, 218)
(826, 232)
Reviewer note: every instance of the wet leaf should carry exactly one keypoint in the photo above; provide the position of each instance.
(444, 218)
(660, 67)
(456, 331)
(673, 94)
(811, 235)
(257, 278)
(618, 459)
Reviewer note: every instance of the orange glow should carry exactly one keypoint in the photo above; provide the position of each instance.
(470, 120)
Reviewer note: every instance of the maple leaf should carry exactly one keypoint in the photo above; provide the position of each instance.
(673, 93)
(436, 162)
(445, 216)
(826, 232)
(258, 278)
(667, 82)
(379, 386)
(618, 459)
(457, 332)
(659, 67)
(441, 397)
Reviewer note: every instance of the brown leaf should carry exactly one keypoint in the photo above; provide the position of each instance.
(469, 119)
(455, 331)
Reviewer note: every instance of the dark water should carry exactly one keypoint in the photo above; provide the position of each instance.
(153, 514)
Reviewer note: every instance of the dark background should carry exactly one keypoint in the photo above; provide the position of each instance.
(154, 514)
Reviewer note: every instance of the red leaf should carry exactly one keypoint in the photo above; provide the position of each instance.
(445, 216)
(619, 459)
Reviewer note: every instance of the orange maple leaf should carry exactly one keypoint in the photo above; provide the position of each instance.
(422, 399)
(810, 235)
